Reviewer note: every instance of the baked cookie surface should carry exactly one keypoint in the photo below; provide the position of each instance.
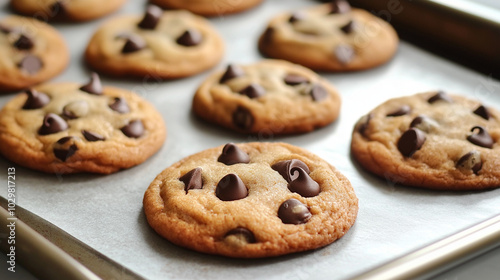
(70, 128)
(66, 10)
(431, 140)
(31, 52)
(159, 45)
(330, 37)
(208, 7)
(268, 97)
(251, 200)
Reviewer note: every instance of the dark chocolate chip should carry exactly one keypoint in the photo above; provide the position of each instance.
(76, 109)
(340, 7)
(253, 91)
(151, 17)
(440, 96)
(318, 92)
(242, 118)
(482, 112)
(92, 136)
(94, 86)
(363, 123)
(424, 123)
(192, 180)
(470, 161)
(232, 71)
(57, 8)
(243, 234)
(52, 123)
(190, 38)
(133, 129)
(349, 27)
(119, 105)
(411, 141)
(403, 110)
(285, 167)
(344, 53)
(293, 79)
(35, 99)
(230, 187)
(24, 43)
(134, 43)
(297, 16)
(294, 212)
(31, 64)
(303, 184)
(481, 137)
(231, 154)
(65, 147)
(268, 35)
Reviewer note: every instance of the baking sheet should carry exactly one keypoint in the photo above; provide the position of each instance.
(106, 211)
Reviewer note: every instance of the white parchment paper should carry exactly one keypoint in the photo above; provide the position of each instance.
(106, 211)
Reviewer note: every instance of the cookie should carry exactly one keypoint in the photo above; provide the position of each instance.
(31, 52)
(330, 37)
(251, 200)
(159, 45)
(208, 7)
(66, 10)
(269, 97)
(432, 140)
(70, 128)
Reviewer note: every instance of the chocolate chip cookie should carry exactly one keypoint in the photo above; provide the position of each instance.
(70, 128)
(31, 52)
(330, 37)
(432, 140)
(66, 10)
(251, 200)
(208, 7)
(269, 97)
(159, 45)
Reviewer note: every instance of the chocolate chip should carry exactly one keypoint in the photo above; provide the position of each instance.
(230, 188)
(94, 86)
(31, 64)
(293, 79)
(76, 109)
(285, 167)
(411, 141)
(192, 180)
(92, 136)
(24, 43)
(482, 112)
(35, 99)
(470, 161)
(242, 234)
(349, 27)
(232, 71)
(253, 91)
(151, 17)
(6, 29)
(318, 92)
(363, 123)
(65, 147)
(268, 35)
(57, 8)
(440, 96)
(52, 123)
(294, 212)
(119, 105)
(134, 43)
(231, 154)
(424, 123)
(190, 38)
(340, 7)
(403, 110)
(481, 137)
(303, 184)
(242, 118)
(297, 16)
(133, 129)
(344, 53)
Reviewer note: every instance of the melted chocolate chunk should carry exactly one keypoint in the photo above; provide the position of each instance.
(440, 96)
(344, 53)
(230, 188)
(76, 109)
(268, 35)
(134, 43)
(318, 92)
(294, 212)
(403, 110)
(24, 43)
(232, 71)
(92, 136)
(30, 64)
(481, 137)
(242, 234)
(470, 161)
(52, 123)
(349, 27)
(303, 184)
(424, 123)
(65, 147)
(190, 38)
(297, 16)
(411, 141)
(482, 112)
(242, 118)
(94, 86)
(57, 8)
(293, 80)
(36, 99)
(151, 17)
(231, 154)
(119, 105)
(192, 180)
(285, 167)
(363, 123)
(340, 7)
(133, 129)
(253, 91)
